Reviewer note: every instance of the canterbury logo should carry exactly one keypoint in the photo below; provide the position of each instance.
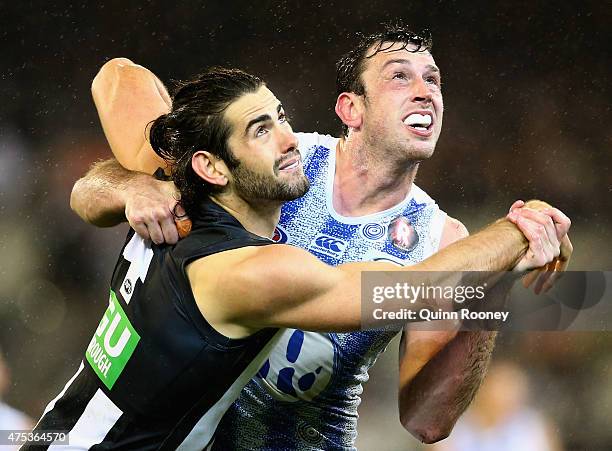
(329, 243)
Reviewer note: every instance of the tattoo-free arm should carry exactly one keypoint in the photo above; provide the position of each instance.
(99, 196)
(310, 295)
(109, 193)
(436, 392)
(444, 388)
(418, 347)
(128, 97)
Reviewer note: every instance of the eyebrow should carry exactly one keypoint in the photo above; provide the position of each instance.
(261, 118)
(431, 67)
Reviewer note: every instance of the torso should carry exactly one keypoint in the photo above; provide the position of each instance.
(156, 374)
(306, 394)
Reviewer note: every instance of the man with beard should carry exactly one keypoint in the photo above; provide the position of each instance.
(390, 103)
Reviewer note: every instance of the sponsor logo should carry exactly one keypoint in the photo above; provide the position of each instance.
(280, 236)
(113, 343)
(328, 245)
(373, 231)
(127, 286)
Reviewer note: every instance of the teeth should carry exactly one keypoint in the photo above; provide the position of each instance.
(292, 165)
(418, 120)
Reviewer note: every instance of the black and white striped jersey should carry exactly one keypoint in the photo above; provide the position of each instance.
(155, 373)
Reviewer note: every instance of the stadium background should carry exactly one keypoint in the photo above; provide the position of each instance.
(527, 96)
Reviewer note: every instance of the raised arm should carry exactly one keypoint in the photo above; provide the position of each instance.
(439, 377)
(418, 347)
(128, 97)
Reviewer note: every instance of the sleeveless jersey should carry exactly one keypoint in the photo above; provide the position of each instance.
(156, 375)
(305, 396)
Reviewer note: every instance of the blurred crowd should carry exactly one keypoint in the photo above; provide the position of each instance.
(527, 98)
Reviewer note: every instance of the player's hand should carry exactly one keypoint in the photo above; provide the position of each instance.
(540, 231)
(548, 275)
(151, 208)
(526, 219)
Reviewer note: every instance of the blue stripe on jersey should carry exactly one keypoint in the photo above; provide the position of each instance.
(306, 395)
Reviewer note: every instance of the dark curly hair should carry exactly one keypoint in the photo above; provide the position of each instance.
(350, 67)
(196, 123)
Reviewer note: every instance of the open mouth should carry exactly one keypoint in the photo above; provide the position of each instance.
(420, 123)
(289, 164)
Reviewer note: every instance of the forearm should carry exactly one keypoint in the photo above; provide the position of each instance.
(431, 404)
(498, 247)
(435, 398)
(99, 197)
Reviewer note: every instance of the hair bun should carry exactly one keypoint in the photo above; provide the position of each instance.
(158, 136)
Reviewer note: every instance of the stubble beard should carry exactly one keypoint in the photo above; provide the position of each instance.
(266, 187)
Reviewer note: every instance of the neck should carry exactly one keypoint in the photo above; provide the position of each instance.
(366, 183)
(259, 217)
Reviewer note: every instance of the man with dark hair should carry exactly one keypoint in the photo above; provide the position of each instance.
(362, 196)
(188, 326)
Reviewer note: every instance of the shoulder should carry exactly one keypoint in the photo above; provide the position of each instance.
(453, 230)
(252, 281)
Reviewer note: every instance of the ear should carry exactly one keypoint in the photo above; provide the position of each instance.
(210, 168)
(349, 109)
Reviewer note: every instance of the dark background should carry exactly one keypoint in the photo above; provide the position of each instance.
(527, 97)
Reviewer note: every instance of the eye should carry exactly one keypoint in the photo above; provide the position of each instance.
(432, 80)
(399, 76)
(282, 117)
(260, 131)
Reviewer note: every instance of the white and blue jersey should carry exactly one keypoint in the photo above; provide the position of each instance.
(305, 396)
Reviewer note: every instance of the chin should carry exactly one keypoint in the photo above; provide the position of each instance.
(420, 153)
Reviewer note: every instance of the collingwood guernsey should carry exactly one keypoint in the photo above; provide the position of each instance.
(156, 375)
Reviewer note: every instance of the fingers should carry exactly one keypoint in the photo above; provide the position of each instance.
(553, 275)
(169, 230)
(546, 229)
(538, 254)
(562, 222)
(150, 210)
(179, 211)
(530, 277)
(551, 241)
(515, 205)
(565, 255)
(155, 232)
(154, 223)
(544, 282)
(146, 228)
(141, 229)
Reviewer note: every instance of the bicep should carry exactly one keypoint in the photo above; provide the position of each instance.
(282, 286)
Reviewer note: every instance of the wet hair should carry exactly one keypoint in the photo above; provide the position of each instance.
(350, 67)
(196, 122)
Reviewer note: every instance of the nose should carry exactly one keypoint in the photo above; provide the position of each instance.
(289, 141)
(421, 92)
